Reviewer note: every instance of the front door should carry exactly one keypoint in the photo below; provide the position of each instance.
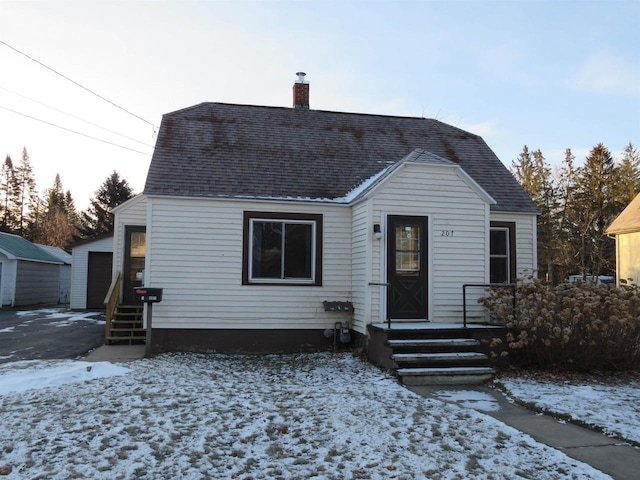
(407, 268)
(134, 256)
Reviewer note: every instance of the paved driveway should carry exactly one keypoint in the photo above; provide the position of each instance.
(48, 333)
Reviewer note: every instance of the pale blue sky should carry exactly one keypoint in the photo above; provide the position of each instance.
(549, 74)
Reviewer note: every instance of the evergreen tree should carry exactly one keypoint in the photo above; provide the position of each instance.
(594, 208)
(8, 192)
(628, 181)
(55, 225)
(26, 197)
(534, 174)
(98, 219)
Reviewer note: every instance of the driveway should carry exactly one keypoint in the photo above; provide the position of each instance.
(48, 333)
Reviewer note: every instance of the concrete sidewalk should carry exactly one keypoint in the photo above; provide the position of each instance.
(611, 456)
(116, 353)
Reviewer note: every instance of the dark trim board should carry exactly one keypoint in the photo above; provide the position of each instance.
(242, 341)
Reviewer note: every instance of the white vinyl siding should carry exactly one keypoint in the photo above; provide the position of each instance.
(194, 252)
(361, 244)
(526, 254)
(80, 269)
(458, 219)
(131, 213)
(628, 258)
(8, 279)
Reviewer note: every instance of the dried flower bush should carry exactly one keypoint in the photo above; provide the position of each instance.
(577, 327)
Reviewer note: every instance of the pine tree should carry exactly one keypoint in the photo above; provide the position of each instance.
(55, 225)
(98, 219)
(628, 172)
(26, 196)
(534, 174)
(595, 208)
(8, 192)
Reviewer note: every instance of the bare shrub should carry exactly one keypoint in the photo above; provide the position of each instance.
(577, 327)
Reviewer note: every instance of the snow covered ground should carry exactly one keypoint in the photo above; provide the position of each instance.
(189, 416)
(611, 407)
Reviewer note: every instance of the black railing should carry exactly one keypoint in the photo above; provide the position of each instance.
(510, 286)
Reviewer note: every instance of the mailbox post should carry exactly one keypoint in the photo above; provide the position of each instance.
(148, 296)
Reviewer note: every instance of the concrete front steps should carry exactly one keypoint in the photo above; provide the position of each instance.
(434, 354)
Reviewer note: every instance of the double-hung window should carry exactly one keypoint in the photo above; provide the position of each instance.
(502, 257)
(282, 248)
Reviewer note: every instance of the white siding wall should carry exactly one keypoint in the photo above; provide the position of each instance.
(361, 245)
(80, 267)
(458, 220)
(526, 247)
(134, 213)
(65, 284)
(8, 287)
(628, 260)
(194, 252)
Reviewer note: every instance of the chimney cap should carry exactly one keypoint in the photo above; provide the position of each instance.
(301, 76)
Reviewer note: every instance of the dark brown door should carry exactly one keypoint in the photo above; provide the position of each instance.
(98, 278)
(135, 248)
(407, 268)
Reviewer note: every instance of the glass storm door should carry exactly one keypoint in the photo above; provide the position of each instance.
(407, 268)
(135, 251)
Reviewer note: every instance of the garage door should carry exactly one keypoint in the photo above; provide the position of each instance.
(99, 278)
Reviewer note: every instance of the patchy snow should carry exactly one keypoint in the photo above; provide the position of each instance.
(615, 409)
(7, 330)
(195, 416)
(30, 375)
(61, 317)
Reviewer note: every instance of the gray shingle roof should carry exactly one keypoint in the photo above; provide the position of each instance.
(225, 150)
(17, 248)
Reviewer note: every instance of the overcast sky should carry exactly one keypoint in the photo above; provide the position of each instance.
(549, 74)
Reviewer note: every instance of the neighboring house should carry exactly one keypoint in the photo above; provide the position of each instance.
(252, 217)
(29, 275)
(65, 271)
(91, 272)
(626, 229)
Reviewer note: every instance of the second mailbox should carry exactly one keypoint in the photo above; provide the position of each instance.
(148, 295)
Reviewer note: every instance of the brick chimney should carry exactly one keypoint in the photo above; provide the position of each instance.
(301, 93)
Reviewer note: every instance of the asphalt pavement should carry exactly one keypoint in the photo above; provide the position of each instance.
(41, 333)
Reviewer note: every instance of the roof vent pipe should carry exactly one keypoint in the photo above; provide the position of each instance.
(301, 92)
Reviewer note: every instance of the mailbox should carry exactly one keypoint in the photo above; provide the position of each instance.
(148, 295)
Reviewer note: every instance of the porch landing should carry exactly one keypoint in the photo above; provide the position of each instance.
(432, 326)
(426, 353)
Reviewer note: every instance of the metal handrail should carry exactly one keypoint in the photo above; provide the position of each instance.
(510, 286)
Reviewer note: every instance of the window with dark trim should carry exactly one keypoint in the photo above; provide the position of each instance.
(502, 252)
(282, 249)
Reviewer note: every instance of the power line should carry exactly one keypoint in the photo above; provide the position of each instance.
(78, 84)
(73, 131)
(76, 117)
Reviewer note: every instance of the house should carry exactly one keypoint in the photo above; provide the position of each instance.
(29, 275)
(266, 226)
(626, 229)
(91, 272)
(65, 271)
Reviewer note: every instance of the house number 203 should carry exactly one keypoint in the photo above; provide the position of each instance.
(446, 233)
